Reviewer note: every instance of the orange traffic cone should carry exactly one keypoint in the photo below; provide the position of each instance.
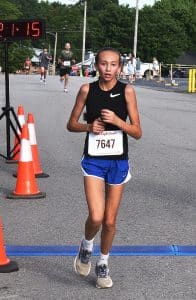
(6, 266)
(21, 120)
(26, 186)
(34, 148)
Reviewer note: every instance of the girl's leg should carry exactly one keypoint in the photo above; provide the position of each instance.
(113, 199)
(94, 190)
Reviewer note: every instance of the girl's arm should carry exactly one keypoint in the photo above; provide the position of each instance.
(73, 124)
(132, 128)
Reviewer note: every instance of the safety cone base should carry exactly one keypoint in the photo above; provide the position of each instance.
(42, 175)
(10, 267)
(11, 161)
(39, 175)
(27, 196)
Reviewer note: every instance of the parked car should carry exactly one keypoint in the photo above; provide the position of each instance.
(146, 69)
(181, 73)
(177, 72)
(142, 69)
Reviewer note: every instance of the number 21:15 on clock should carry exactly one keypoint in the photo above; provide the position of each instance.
(20, 29)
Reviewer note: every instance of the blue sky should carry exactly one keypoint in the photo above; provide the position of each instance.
(130, 2)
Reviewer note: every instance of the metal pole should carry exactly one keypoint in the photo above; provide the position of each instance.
(171, 73)
(7, 105)
(84, 32)
(54, 58)
(136, 28)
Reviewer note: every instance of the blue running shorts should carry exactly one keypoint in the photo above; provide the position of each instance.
(111, 171)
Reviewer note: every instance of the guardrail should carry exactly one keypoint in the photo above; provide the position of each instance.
(174, 71)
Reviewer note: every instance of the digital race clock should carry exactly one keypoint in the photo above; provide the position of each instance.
(21, 29)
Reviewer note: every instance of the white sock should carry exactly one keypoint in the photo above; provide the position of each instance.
(103, 259)
(88, 244)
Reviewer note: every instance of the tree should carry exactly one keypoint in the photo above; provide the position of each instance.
(165, 30)
(9, 11)
(162, 31)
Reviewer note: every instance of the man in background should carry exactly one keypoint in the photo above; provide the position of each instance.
(66, 61)
(44, 58)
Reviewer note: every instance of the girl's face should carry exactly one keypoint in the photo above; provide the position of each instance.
(108, 65)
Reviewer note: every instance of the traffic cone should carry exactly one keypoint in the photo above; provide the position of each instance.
(34, 148)
(6, 266)
(21, 120)
(26, 186)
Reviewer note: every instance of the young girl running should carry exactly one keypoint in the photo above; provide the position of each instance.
(105, 166)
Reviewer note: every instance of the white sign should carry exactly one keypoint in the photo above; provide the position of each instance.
(105, 143)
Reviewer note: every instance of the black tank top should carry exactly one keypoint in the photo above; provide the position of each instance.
(114, 99)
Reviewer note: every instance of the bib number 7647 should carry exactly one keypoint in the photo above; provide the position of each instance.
(109, 143)
(106, 143)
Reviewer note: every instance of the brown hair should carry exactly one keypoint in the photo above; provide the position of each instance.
(107, 49)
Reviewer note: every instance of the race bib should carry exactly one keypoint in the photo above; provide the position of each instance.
(105, 143)
(67, 63)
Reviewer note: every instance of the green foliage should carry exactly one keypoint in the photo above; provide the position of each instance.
(165, 30)
(17, 53)
(9, 11)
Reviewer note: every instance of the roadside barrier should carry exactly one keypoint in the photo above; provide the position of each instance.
(6, 266)
(34, 148)
(192, 81)
(26, 186)
(21, 120)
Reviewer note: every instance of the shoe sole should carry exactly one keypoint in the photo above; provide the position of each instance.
(105, 287)
(76, 271)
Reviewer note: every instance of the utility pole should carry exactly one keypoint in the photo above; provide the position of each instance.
(55, 47)
(136, 28)
(54, 58)
(84, 32)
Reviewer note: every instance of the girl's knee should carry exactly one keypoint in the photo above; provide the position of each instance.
(96, 220)
(109, 225)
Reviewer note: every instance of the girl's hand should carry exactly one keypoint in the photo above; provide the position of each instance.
(97, 126)
(108, 116)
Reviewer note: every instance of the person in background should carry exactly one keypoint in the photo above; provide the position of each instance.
(44, 58)
(131, 71)
(27, 66)
(155, 67)
(66, 61)
(105, 164)
(134, 62)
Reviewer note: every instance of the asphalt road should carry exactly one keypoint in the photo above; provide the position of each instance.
(158, 207)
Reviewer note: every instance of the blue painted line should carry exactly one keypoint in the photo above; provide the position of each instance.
(63, 250)
(186, 250)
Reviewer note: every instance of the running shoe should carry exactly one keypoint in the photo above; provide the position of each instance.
(41, 80)
(104, 281)
(82, 263)
(44, 81)
(65, 90)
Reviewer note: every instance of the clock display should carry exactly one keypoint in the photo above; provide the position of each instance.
(21, 29)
